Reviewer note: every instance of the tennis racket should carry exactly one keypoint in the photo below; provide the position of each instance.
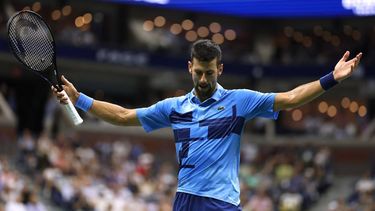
(32, 43)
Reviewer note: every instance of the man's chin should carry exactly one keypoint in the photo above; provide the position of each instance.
(204, 91)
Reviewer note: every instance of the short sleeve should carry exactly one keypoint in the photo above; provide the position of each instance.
(258, 104)
(155, 116)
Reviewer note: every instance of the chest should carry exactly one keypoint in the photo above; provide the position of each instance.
(212, 122)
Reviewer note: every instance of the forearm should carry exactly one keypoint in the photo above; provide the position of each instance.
(114, 114)
(298, 96)
(306, 93)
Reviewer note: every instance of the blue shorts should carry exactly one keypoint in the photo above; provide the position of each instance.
(190, 202)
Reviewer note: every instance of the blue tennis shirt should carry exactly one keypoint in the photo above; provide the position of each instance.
(207, 137)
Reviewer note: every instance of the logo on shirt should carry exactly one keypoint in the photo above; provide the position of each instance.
(220, 108)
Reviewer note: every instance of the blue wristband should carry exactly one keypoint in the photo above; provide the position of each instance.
(84, 102)
(328, 81)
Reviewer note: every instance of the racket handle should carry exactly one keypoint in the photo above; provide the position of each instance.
(72, 111)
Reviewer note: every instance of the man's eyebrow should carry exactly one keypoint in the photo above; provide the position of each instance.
(203, 70)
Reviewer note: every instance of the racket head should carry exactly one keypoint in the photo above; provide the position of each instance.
(31, 41)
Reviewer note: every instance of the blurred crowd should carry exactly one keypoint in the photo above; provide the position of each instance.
(101, 176)
(284, 179)
(17, 193)
(121, 175)
(362, 197)
(311, 120)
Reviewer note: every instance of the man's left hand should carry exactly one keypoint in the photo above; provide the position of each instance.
(344, 68)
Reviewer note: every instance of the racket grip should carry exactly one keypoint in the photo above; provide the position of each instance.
(72, 111)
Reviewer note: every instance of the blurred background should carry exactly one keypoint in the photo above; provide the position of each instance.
(134, 53)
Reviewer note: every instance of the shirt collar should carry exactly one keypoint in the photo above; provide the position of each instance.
(216, 96)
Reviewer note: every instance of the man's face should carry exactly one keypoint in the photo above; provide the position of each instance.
(205, 76)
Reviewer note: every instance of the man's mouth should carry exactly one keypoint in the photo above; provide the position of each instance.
(203, 86)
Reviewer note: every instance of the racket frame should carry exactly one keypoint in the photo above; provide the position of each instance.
(50, 73)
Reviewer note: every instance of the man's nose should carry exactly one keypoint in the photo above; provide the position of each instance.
(203, 78)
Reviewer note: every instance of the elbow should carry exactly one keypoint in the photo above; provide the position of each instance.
(122, 118)
(292, 101)
(125, 117)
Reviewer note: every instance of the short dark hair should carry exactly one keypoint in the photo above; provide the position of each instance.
(205, 50)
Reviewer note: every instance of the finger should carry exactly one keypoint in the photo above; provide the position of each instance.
(64, 102)
(60, 97)
(64, 80)
(359, 56)
(60, 94)
(345, 56)
(63, 99)
(354, 60)
(55, 91)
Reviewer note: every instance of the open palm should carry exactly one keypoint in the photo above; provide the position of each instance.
(344, 68)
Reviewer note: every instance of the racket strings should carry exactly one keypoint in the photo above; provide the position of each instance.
(31, 41)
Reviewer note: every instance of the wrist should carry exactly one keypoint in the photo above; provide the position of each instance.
(335, 76)
(75, 97)
(328, 81)
(84, 102)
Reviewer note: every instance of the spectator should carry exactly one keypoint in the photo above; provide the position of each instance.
(260, 202)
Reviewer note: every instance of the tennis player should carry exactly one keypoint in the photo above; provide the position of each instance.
(207, 124)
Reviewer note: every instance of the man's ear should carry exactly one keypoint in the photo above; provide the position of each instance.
(220, 69)
(190, 66)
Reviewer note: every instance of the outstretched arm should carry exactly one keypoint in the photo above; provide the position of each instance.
(109, 112)
(307, 92)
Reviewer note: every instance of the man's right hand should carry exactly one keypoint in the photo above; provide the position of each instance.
(70, 90)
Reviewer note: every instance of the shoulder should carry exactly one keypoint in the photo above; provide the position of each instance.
(174, 101)
(241, 93)
(248, 95)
